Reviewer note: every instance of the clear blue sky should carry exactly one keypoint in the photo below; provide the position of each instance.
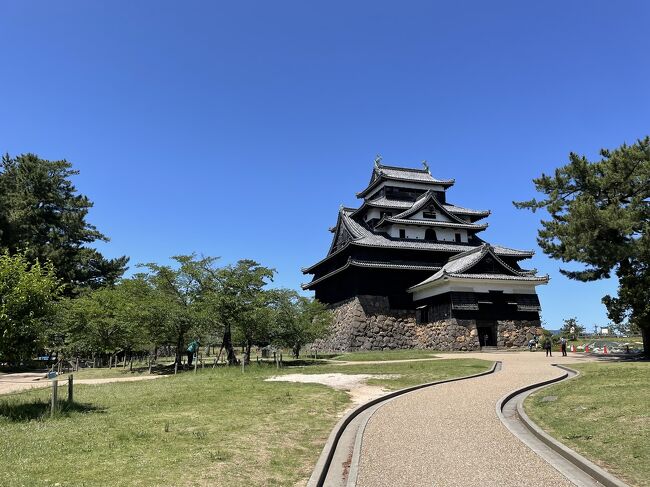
(237, 129)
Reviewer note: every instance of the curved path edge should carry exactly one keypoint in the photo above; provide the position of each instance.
(319, 474)
(532, 431)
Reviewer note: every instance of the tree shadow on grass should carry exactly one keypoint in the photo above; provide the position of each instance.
(303, 362)
(39, 409)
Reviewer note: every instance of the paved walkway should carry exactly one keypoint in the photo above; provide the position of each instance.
(450, 435)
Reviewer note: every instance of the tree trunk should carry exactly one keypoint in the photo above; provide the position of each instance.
(247, 352)
(179, 348)
(227, 344)
(645, 334)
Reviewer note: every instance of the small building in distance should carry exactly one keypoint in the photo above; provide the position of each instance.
(408, 269)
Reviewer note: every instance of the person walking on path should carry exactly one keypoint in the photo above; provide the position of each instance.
(547, 347)
(563, 346)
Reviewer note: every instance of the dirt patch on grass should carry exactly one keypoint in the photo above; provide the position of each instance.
(354, 384)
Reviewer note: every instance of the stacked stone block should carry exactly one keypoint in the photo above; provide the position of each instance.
(368, 323)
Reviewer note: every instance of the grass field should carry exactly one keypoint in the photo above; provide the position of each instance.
(385, 355)
(216, 427)
(603, 414)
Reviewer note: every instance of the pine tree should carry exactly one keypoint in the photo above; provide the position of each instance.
(42, 214)
(600, 217)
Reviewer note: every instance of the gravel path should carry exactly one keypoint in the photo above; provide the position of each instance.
(450, 435)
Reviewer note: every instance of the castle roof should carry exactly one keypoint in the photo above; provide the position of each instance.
(387, 247)
(362, 236)
(389, 204)
(429, 198)
(382, 173)
(374, 265)
(460, 265)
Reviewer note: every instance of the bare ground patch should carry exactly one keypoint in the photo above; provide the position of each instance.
(354, 384)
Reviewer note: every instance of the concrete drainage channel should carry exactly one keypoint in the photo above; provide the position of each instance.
(572, 465)
(338, 463)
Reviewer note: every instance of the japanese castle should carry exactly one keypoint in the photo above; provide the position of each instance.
(421, 256)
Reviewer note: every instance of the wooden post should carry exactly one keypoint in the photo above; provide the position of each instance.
(175, 367)
(150, 363)
(70, 389)
(55, 390)
(77, 365)
(130, 363)
(280, 359)
(110, 362)
(124, 362)
(216, 360)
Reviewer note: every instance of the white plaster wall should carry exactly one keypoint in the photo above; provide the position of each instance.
(376, 212)
(440, 217)
(414, 232)
(508, 287)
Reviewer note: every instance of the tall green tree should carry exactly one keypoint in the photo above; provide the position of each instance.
(600, 216)
(42, 213)
(27, 294)
(238, 299)
(125, 317)
(300, 320)
(183, 288)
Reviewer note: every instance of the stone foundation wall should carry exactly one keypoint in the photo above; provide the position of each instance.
(448, 335)
(517, 333)
(368, 323)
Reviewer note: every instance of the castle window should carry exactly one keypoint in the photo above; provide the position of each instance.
(402, 233)
(429, 212)
(430, 234)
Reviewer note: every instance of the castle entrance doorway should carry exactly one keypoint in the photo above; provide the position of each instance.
(487, 333)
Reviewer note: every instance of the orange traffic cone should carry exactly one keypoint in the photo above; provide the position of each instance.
(605, 350)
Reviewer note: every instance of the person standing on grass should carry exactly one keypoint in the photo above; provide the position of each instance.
(547, 347)
(191, 350)
(563, 346)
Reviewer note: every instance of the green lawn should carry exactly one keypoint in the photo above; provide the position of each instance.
(604, 414)
(216, 427)
(385, 355)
